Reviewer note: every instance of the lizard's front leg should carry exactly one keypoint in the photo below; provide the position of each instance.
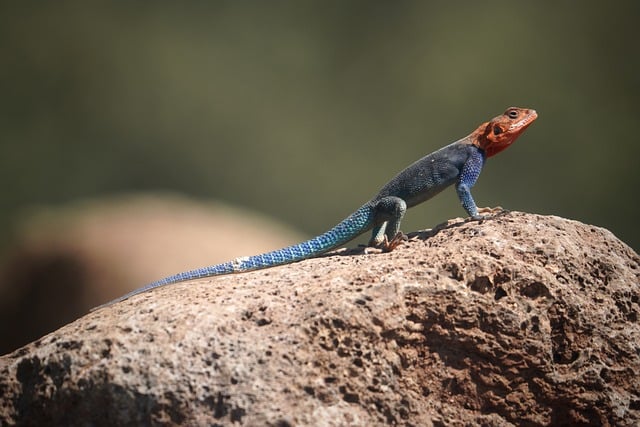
(469, 205)
(388, 212)
(467, 178)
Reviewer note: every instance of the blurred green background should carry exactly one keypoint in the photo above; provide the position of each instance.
(303, 109)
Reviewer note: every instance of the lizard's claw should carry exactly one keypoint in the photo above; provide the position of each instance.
(493, 211)
(389, 245)
(486, 213)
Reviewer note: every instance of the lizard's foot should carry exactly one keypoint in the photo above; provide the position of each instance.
(486, 213)
(493, 211)
(389, 245)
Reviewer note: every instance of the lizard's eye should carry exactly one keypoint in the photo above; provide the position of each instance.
(513, 114)
(497, 130)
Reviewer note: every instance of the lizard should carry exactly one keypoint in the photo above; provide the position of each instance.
(458, 163)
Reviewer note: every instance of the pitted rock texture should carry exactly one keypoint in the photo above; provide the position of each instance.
(516, 320)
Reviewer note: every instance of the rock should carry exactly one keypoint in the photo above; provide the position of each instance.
(517, 320)
(68, 259)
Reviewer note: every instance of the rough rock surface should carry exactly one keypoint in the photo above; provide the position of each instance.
(520, 319)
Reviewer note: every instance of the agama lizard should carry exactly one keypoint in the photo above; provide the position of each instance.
(459, 163)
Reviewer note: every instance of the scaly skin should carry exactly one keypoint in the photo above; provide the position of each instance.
(459, 163)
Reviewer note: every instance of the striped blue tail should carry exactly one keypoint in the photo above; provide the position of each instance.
(354, 225)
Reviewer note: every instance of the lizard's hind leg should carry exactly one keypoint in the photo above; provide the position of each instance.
(388, 212)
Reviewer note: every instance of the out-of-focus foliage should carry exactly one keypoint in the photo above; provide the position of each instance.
(304, 109)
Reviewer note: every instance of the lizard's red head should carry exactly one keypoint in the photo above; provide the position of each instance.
(494, 136)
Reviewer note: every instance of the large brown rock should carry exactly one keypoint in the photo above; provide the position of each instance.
(520, 319)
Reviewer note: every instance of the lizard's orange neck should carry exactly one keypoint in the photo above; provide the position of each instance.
(494, 136)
